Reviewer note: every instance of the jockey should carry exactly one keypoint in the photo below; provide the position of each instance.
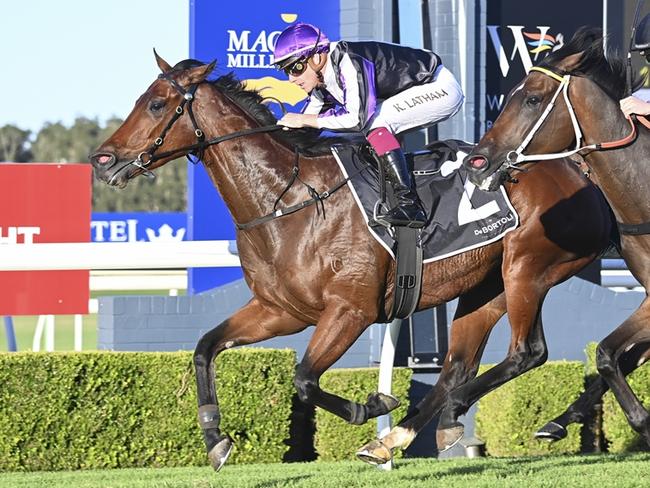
(377, 88)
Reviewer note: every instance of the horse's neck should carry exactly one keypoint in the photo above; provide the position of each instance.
(247, 180)
(621, 173)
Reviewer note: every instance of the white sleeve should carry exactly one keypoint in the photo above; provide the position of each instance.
(352, 102)
(313, 106)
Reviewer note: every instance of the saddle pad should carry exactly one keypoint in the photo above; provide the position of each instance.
(461, 216)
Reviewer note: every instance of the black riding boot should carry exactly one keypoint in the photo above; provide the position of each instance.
(408, 212)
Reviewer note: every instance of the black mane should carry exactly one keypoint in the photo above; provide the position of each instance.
(606, 70)
(308, 141)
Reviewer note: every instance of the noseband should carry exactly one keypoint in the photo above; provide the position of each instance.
(513, 158)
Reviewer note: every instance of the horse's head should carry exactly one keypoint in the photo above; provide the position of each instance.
(536, 117)
(516, 128)
(161, 122)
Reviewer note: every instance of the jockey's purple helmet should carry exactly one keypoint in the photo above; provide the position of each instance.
(297, 41)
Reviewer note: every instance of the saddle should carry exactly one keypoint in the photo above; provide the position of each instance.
(460, 216)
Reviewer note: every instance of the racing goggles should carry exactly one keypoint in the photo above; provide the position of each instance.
(296, 68)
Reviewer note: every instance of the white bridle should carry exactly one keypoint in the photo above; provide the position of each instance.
(516, 157)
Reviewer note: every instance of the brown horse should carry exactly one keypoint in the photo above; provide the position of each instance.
(305, 269)
(587, 86)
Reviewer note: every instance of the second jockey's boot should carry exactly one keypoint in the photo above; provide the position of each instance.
(408, 212)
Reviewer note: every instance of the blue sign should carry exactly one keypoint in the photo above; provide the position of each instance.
(241, 37)
(138, 227)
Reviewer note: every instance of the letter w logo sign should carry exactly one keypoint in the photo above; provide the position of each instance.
(537, 43)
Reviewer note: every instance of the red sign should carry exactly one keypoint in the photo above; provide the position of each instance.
(44, 203)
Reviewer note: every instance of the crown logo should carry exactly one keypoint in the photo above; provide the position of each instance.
(165, 234)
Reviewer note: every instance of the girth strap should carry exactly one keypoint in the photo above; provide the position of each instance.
(634, 229)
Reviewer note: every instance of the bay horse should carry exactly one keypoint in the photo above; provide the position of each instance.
(318, 264)
(586, 86)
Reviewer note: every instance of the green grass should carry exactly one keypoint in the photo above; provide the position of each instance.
(550, 471)
(25, 326)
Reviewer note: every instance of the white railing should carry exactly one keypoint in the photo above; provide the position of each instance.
(116, 255)
(92, 256)
(615, 276)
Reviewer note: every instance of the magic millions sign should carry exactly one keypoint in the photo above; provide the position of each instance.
(241, 37)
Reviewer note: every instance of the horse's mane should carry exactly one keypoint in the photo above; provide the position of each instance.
(607, 70)
(308, 141)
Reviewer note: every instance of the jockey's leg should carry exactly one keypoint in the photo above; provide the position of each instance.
(408, 211)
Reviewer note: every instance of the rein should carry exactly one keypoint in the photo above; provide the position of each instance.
(151, 156)
(516, 157)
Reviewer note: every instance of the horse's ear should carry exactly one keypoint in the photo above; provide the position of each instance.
(568, 63)
(162, 64)
(200, 73)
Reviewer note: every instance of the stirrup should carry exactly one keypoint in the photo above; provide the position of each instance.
(379, 213)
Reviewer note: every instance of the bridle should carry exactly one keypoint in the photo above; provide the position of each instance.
(148, 157)
(513, 158)
(516, 157)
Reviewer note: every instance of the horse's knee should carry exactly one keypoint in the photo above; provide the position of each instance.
(201, 357)
(305, 386)
(605, 361)
(538, 355)
(529, 356)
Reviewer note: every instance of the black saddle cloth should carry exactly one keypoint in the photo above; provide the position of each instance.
(460, 215)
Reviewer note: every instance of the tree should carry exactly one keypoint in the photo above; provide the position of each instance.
(57, 143)
(14, 144)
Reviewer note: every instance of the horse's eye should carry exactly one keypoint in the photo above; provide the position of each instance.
(533, 101)
(156, 106)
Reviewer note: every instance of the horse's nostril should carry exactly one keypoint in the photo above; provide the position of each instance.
(102, 158)
(478, 162)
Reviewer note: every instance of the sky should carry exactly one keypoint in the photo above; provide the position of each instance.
(63, 59)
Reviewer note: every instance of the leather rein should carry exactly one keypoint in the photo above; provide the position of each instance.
(516, 157)
(146, 158)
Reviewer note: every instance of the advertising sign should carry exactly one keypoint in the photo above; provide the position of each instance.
(241, 38)
(520, 34)
(138, 227)
(44, 203)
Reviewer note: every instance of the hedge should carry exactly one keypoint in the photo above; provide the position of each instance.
(508, 417)
(337, 440)
(107, 410)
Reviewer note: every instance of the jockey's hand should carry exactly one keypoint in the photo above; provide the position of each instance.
(634, 105)
(295, 121)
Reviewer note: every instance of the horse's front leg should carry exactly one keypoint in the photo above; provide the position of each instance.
(527, 350)
(254, 322)
(476, 315)
(338, 327)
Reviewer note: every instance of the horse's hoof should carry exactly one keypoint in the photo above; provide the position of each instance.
(375, 452)
(382, 402)
(447, 438)
(220, 452)
(551, 432)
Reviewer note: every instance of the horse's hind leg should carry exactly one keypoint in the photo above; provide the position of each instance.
(252, 323)
(477, 313)
(579, 410)
(337, 329)
(635, 330)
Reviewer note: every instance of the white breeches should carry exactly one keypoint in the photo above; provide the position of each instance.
(420, 106)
